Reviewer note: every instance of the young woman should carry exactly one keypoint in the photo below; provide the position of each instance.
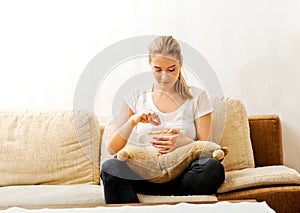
(169, 103)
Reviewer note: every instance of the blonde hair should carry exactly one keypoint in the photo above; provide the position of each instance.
(167, 45)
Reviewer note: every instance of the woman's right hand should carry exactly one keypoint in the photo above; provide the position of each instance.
(145, 117)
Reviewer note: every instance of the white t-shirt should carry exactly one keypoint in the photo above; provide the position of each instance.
(183, 118)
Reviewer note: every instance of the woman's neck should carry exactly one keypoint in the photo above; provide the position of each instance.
(169, 91)
(166, 100)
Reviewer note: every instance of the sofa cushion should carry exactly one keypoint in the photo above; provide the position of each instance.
(165, 198)
(260, 176)
(58, 146)
(70, 195)
(230, 128)
(51, 195)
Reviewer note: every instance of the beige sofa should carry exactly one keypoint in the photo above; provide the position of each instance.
(53, 157)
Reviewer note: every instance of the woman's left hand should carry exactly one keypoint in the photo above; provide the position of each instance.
(170, 141)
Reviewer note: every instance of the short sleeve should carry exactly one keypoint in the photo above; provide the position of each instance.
(203, 104)
(136, 97)
(130, 99)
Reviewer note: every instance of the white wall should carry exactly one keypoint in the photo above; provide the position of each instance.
(253, 46)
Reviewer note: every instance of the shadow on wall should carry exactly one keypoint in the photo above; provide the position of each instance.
(268, 85)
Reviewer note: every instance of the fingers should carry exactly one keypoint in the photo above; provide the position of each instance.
(173, 131)
(154, 119)
(166, 142)
(161, 138)
(145, 117)
(161, 143)
(162, 146)
(164, 151)
(168, 139)
(150, 117)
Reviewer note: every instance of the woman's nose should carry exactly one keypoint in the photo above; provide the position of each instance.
(164, 75)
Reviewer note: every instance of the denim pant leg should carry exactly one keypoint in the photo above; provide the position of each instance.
(203, 176)
(116, 177)
(121, 184)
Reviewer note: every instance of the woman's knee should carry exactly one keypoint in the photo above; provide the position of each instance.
(117, 168)
(107, 169)
(109, 164)
(214, 164)
(204, 176)
(215, 171)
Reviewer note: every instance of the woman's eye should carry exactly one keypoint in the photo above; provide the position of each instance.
(170, 70)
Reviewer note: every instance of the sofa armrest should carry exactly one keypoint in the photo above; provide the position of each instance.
(266, 138)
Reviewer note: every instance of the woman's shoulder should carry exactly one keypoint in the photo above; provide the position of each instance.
(142, 89)
(196, 90)
(136, 96)
(139, 90)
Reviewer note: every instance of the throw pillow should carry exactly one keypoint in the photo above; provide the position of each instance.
(230, 128)
(160, 168)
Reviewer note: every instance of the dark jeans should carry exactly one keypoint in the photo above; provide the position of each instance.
(121, 185)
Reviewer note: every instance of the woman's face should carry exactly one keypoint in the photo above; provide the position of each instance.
(165, 70)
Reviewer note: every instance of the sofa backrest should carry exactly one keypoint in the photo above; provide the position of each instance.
(266, 138)
(59, 146)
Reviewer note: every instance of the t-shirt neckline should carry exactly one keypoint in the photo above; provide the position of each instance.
(166, 113)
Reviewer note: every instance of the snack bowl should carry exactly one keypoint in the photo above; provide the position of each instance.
(145, 139)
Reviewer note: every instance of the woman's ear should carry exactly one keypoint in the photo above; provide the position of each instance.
(149, 60)
(180, 63)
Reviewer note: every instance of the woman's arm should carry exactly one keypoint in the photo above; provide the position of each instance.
(203, 127)
(126, 121)
(168, 143)
(122, 129)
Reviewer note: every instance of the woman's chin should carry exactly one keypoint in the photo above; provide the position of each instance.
(165, 85)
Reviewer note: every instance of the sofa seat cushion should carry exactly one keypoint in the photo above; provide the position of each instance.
(260, 176)
(51, 195)
(164, 199)
(81, 194)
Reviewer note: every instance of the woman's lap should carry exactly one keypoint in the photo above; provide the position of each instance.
(203, 176)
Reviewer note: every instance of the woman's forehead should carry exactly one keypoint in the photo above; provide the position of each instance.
(164, 59)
